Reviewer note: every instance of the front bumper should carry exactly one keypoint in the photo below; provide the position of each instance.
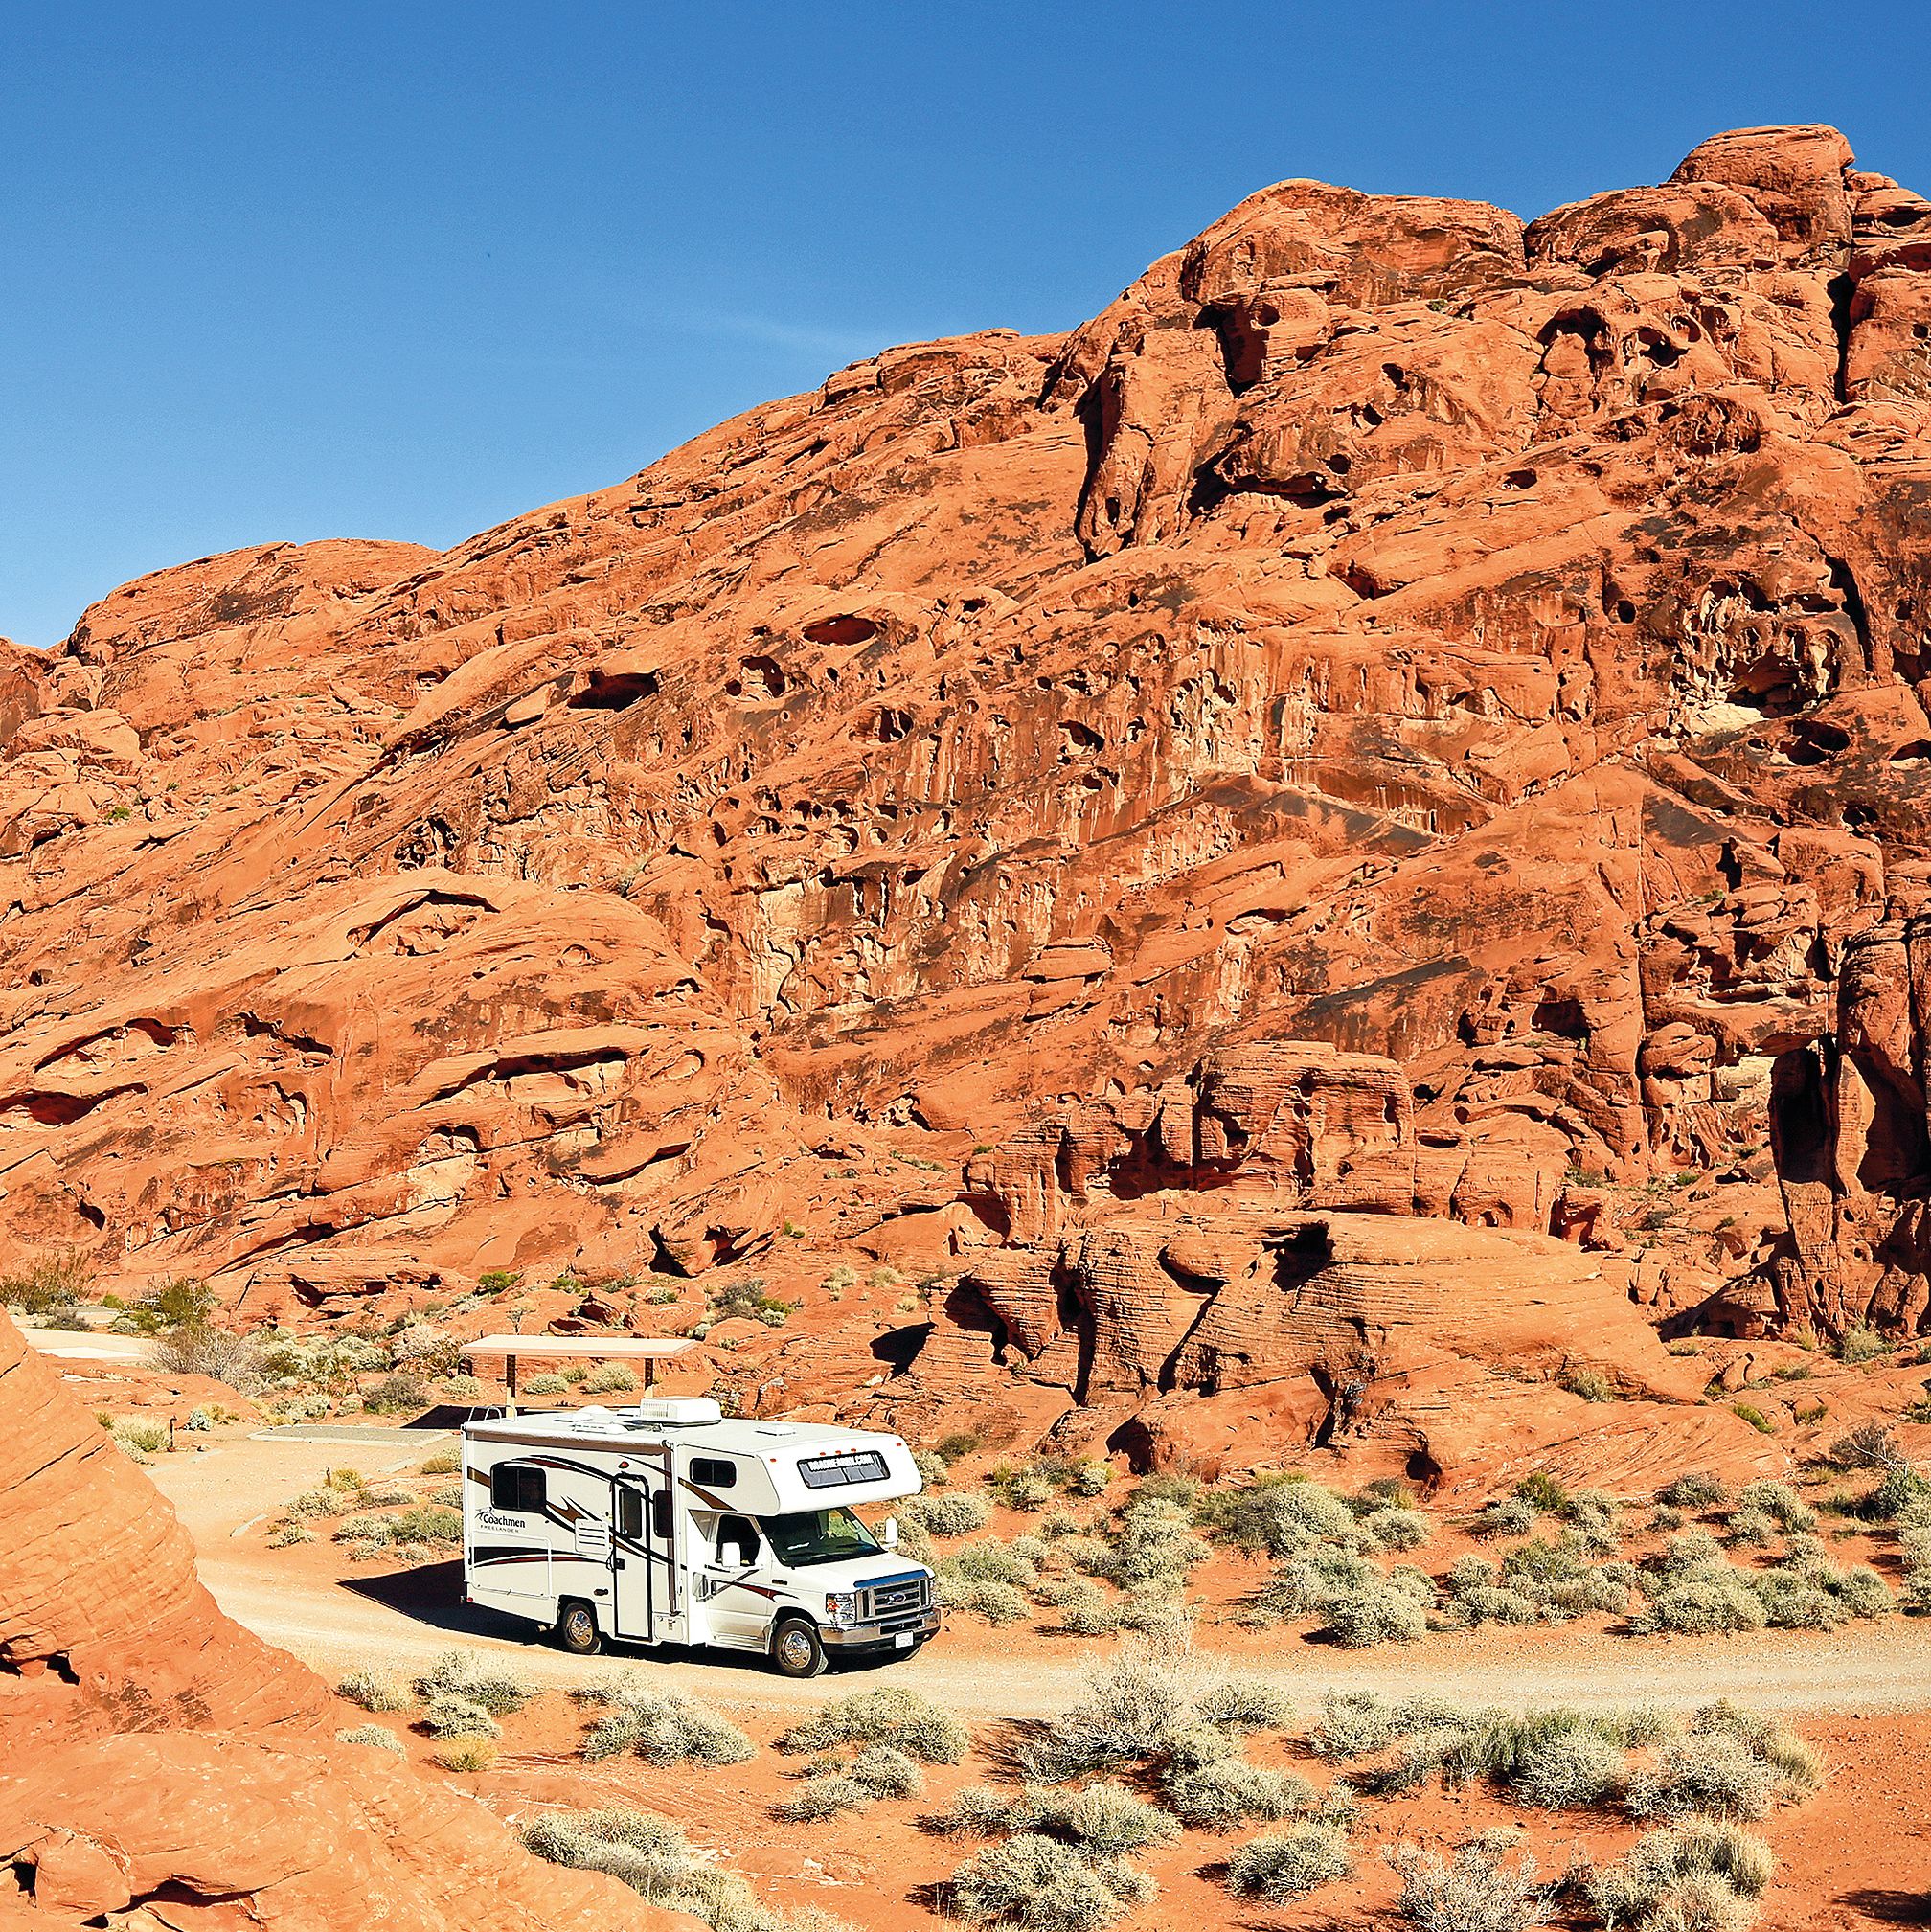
(881, 1636)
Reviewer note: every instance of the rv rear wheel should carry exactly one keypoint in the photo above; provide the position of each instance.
(576, 1630)
(797, 1649)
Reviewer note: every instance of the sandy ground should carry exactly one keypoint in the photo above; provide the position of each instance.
(407, 1616)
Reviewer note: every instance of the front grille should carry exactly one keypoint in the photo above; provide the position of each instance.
(891, 1598)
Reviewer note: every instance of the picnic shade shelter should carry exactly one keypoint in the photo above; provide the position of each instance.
(645, 1349)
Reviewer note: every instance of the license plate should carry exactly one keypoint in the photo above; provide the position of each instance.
(902, 1641)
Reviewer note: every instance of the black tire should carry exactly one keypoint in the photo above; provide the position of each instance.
(797, 1651)
(576, 1630)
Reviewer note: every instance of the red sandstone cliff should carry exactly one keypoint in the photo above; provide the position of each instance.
(1492, 652)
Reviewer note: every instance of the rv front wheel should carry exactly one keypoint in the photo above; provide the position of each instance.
(795, 1649)
(576, 1630)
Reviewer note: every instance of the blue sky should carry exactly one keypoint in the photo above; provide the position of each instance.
(405, 269)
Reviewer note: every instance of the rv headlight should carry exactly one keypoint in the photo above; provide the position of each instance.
(842, 1608)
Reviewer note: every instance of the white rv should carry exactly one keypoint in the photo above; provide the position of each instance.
(663, 1523)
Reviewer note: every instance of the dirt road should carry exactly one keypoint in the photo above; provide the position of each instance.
(407, 1617)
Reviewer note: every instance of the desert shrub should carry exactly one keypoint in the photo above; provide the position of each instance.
(1107, 1820)
(1509, 1518)
(1491, 1603)
(1696, 1489)
(461, 1673)
(1278, 1518)
(899, 1718)
(148, 1439)
(1381, 1615)
(440, 1466)
(286, 1534)
(1475, 1891)
(1132, 1711)
(1899, 1488)
(54, 1280)
(1043, 1885)
(988, 1561)
(1543, 1492)
(982, 1597)
(651, 1856)
(1704, 1597)
(1396, 1529)
(1755, 1527)
(446, 1715)
(1862, 1344)
(1569, 1770)
(1093, 1616)
(1778, 1501)
(466, 1753)
(1715, 1773)
(1693, 1878)
(547, 1383)
(376, 1691)
(197, 1349)
(823, 1797)
(958, 1445)
(1591, 1384)
(662, 1727)
(977, 1812)
(1288, 1865)
(1220, 1796)
(609, 1378)
(962, 1514)
(1244, 1704)
(376, 1736)
(884, 1771)
(1155, 1543)
(397, 1392)
(934, 1470)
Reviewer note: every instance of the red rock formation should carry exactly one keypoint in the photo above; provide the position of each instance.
(152, 1753)
(1491, 650)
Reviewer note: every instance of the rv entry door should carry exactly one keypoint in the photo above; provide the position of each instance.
(642, 1558)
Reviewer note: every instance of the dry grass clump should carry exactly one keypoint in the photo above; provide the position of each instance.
(376, 1736)
(662, 1727)
(1733, 1764)
(466, 1754)
(446, 1715)
(899, 1718)
(376, 1690)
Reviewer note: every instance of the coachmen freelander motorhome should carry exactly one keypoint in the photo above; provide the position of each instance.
(664, 1523)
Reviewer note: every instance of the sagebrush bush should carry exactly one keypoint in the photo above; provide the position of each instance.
(446, 1715)
(608, 1378)
(1396, 1529)
(1043, 1885)
(823, 1797)
(651, 1856)
(1696, 1490)
(376, 1690)
(461, 1673)
(1105, 1819)
(899, 1718)
(1244, 1704)
(1508, 1517)
(1279, 1518)
(1288, 1865)
(884, 1771)
(1780, 1502)
(1696, 1878)
(982, 1597)
(1381, 1615)
(1130, 1713)
(662, 1727)
(1230, 1792)
(1571, 1770)
(961, 1514)
(1475, 1891)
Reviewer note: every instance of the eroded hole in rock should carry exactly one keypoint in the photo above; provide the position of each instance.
(845, 629)
(614, 690)
(1916, 751)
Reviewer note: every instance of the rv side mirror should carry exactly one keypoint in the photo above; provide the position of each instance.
(889, 1535)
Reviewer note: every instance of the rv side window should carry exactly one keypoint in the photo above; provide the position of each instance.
(630, 1512)
(514, 1486)
(715, 1472)
(737, 1541)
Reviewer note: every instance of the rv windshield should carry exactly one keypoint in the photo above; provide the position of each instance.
(818, 1537)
